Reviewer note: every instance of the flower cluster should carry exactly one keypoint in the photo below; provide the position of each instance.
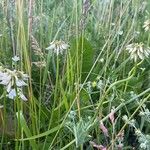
(138, 50)
(13, 82)
(58, 47)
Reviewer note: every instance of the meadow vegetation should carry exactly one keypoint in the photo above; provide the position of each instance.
(75, 74)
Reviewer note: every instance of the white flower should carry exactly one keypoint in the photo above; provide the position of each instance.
(101, 60)
(20, 83)
(58, 46)
(21, 95)
(120, 32)
(1, 106)
(13, 82)
(143, 145)
(125, 118)
(138, 132)
(12, 94)
(138, 50)
(113, 24)
(15, 58)
(146, 25)
(100, 84)
(5, 78)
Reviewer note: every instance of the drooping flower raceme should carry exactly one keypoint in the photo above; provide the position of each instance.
(13, 82)
(146, 25)
(138, 50)
(58, 47)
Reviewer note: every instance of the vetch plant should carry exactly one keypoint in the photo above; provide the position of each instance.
(80, 129)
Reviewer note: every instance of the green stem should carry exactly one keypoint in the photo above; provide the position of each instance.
(55, 97)
(73, 141)
(110, 87)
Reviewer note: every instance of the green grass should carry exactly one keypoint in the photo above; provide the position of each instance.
(75, 91)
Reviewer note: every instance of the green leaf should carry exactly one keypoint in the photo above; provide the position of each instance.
(42, 134)
(83, 53)
(87, 57)
(26, 129)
